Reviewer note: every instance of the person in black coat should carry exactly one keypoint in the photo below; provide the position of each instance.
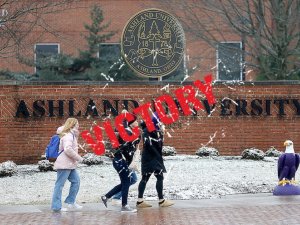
(152, 163)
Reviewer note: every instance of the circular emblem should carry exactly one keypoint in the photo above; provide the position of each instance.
(153, 43)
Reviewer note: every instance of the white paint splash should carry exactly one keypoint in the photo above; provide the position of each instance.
(234, 102)
(105, 86)
(107, 77)
(185, 77)
(169, 135)
(211, 139)
(166, 88)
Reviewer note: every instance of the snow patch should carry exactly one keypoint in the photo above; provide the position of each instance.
(187, 177)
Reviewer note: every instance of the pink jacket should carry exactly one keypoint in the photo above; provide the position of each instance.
(69, 158)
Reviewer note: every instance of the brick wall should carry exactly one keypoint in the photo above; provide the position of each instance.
(68, 25)
(23, 140)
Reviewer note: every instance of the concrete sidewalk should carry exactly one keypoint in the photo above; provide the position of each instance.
(236, 209)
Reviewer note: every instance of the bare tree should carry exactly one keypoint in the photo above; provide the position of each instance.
(18, 18)
(268, 29)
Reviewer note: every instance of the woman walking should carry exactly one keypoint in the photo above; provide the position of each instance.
(122, 158)
(66, 164)
(133, 166)
(152, 163)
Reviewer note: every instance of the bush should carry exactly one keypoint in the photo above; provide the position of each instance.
(207, 151)
(168, 151)
(272, 152)
(45, 165)
(50, 75)
(7, 168)
(253, 153)
(19, 76)
(92, 159)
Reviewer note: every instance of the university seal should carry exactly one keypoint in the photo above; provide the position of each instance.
(153, 43)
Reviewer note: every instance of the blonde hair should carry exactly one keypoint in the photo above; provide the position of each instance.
(69, 124)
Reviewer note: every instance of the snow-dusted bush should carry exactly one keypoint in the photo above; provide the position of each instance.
(45, 165)
(92, 159)
(7, 168)
(43, 157)
(253, 153)
(273, 152)
(168, 151)
(207, 151)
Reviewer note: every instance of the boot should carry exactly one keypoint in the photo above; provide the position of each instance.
(165, 203)
(142, 204)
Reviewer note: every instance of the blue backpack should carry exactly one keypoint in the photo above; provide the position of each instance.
(52, 150)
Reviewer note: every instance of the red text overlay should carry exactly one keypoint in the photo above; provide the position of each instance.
(186, 96)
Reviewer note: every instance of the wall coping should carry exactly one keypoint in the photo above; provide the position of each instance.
(117, 83)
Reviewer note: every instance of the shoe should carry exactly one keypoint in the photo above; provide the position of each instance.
(74, 206)
(104, 200)
(116, 201)
(60, 210)
(127, 208)
(142, 204)
(165, 203)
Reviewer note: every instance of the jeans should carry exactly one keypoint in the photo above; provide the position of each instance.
(133, 180)
(121, 167)
(62, 176)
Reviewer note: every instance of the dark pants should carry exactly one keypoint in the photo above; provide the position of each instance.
(159, 184)
(121, 167)
(133, 179)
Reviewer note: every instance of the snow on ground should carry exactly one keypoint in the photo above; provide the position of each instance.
(188, 177)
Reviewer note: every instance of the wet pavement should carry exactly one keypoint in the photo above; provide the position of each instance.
(236, 209)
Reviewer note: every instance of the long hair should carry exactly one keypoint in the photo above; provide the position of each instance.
(69, 124)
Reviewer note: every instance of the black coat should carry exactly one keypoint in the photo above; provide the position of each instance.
(126, 149)
(152, 152)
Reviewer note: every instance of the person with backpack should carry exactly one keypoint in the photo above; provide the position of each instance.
(123, 157)
(66, 164)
